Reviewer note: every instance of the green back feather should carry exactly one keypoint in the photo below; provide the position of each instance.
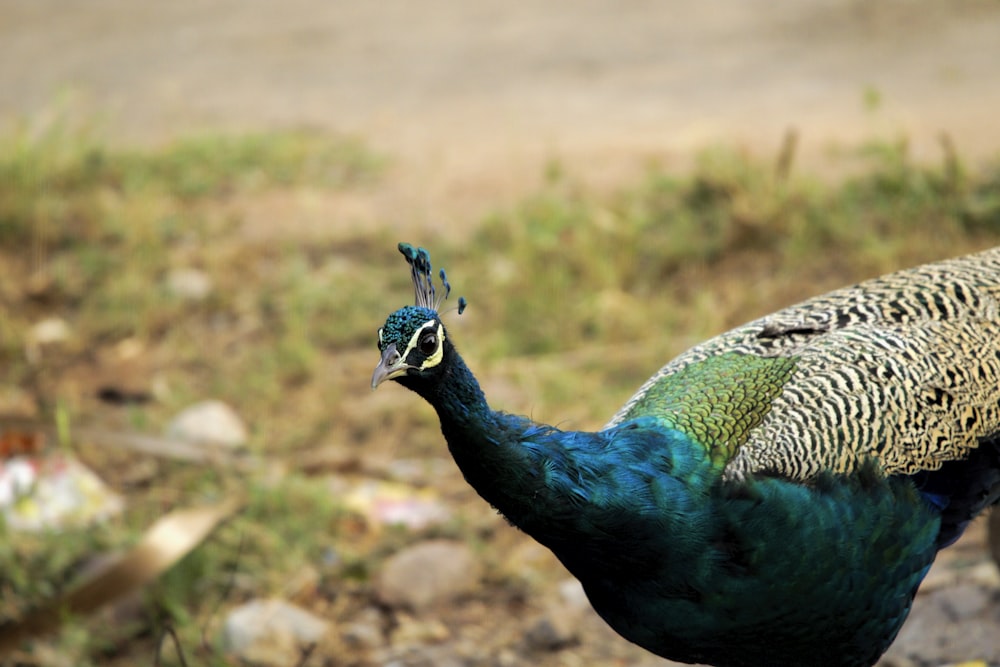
(717, 401)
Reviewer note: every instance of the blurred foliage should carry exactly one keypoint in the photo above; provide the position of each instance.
(563, 253)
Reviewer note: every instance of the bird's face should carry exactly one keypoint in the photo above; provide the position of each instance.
(412, 344)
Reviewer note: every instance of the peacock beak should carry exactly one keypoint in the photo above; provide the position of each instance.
(391, 365)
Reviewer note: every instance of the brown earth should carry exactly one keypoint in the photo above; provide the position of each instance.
(471, 98)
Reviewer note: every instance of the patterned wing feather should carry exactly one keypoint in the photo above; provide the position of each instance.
(905, 368)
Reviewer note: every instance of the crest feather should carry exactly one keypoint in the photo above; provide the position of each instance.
(423, 282)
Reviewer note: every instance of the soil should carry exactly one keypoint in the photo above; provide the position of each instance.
(471, 100)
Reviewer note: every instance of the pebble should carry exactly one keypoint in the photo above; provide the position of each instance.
(271, 632)
(528, 562)
(209, 421)
(551, 631)
(410, 630)
(559, 625)
(572, 594)
(430, 572)
(963, 602)
(421, 656)
(51, 331)
(365, 631)
(188, 283)
(985, 574)
(896, 661)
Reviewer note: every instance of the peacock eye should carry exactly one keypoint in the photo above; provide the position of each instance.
(428, 343)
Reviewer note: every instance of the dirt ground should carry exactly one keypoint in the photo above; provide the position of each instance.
(471, 99)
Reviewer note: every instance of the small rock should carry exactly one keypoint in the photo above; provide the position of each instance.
(572, 594)
(984, 574)
(271, 632)
(362, 636)
(430, 572)
(896, 661)
(507, 658)
(365, 632)
(49, 331)
(211, 421)
(412, 631)
(559, 626)
(190, 284)
(419, 655)
(528, 562)
(551, 632)
(45, 333)
(963, 602)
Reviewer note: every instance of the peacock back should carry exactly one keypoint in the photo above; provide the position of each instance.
(904, 368)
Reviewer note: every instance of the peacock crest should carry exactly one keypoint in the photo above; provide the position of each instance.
(412, 337)
(423, 282)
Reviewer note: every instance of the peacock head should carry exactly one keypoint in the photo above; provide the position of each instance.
(412, 340)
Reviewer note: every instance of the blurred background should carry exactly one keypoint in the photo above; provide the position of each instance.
(199, 206)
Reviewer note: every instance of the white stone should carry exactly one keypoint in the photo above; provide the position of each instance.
(272, 632)
(434, 571)
(50, 330)
(189, 283)
(212, 421)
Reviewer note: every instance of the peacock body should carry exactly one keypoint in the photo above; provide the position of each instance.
(773, 496)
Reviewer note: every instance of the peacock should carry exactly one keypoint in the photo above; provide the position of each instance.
(773, 496)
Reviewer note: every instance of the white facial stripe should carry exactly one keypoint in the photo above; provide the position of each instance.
(380, 336)
(435, 358)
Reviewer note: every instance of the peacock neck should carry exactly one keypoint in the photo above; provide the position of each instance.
(557, 485)
(487, 445)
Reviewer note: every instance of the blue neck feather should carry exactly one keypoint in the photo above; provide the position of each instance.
(611, 485)
(486, 445)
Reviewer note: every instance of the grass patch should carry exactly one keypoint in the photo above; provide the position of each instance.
(569, 263)
(574, 300)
